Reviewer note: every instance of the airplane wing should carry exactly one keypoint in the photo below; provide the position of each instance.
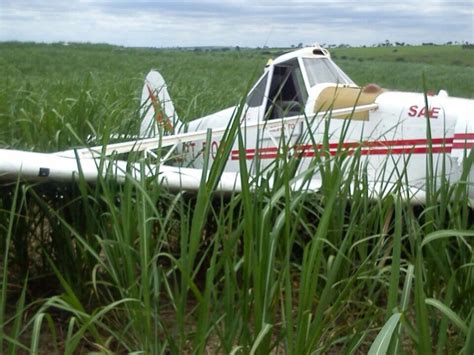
(35, 167)
(67, 166)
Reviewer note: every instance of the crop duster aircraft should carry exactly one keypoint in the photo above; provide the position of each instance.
(303, 106)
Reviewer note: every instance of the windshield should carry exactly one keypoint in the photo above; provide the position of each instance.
(323, 70)
(255, 97)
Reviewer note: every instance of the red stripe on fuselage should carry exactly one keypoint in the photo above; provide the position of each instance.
(464, 136)
(463, 145)
(399, 146)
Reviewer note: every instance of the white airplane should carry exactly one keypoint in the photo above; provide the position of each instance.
(303, 107)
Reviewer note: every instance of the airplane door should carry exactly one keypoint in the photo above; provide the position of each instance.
(284, 103)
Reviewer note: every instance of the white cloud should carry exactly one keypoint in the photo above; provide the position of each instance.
(235, 22)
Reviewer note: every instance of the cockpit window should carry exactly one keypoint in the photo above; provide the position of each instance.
(255, 98)
(288, 95)
(323, 70)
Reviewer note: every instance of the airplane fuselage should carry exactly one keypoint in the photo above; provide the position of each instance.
(401, 135)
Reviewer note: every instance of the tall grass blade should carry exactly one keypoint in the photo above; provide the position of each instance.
(382, 341)
(396, 256)
(261, 335)
(8, 239)
(447, 312)
(442, 234)
(19, 314)
(469, 347)
(36, 333)
(422, 320)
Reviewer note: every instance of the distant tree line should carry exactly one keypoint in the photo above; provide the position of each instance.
(387, 43)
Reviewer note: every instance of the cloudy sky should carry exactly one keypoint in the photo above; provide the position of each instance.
(236, 22)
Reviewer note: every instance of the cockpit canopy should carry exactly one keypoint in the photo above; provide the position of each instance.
(324, 70)
(286, 83)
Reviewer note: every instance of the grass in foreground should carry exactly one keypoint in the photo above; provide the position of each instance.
(271, 270)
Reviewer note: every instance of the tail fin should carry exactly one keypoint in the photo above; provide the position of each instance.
(156, 107)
